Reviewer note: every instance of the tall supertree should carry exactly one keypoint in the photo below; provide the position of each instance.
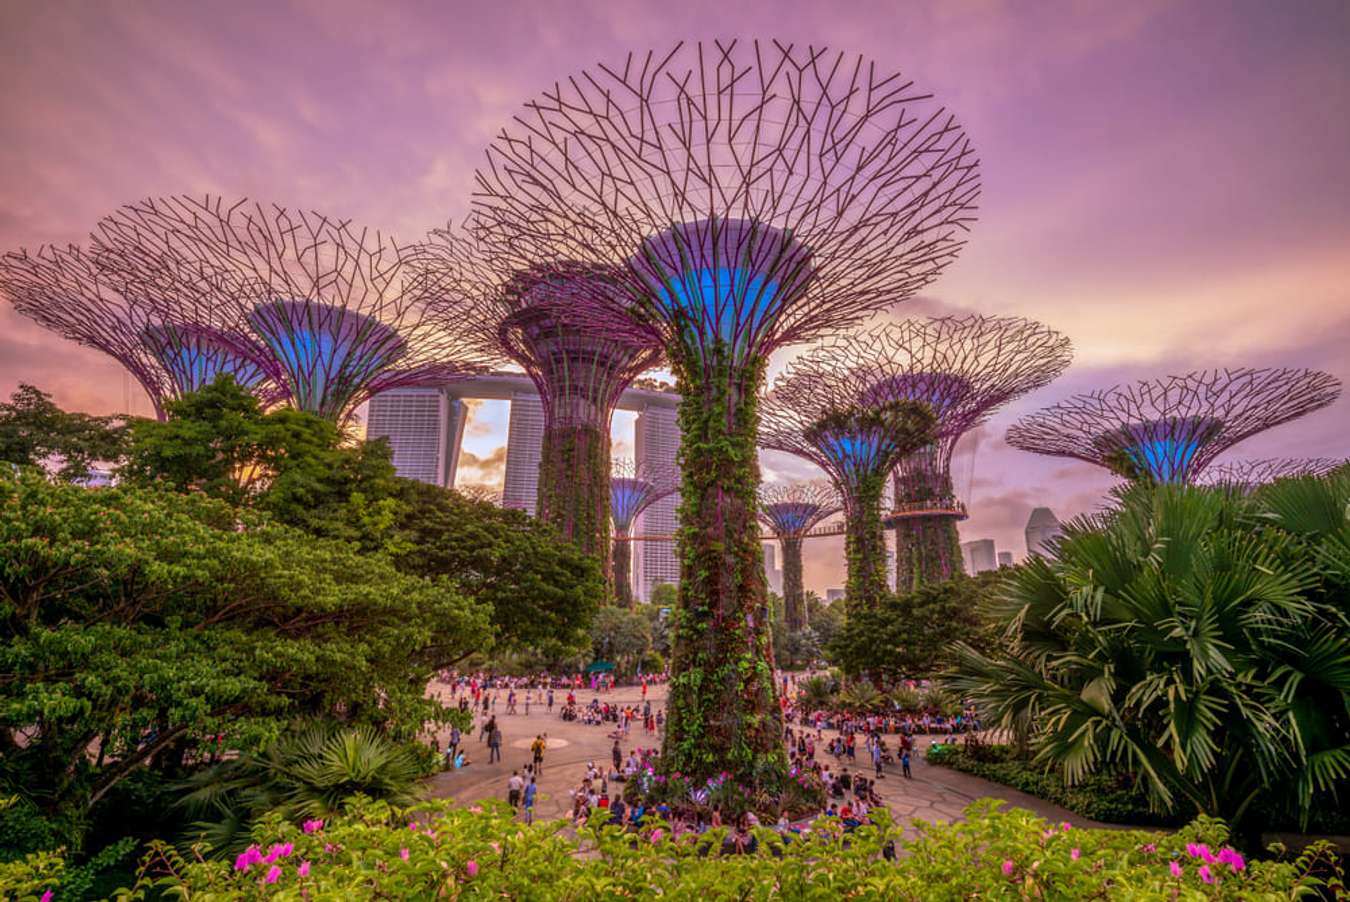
(77, 294)
(342, 311)
(1170, 429)
(824, 408)
(963, 368)
(1247, 475)
(580, 371)
(633, 489)
(790, 511)
(755, 195)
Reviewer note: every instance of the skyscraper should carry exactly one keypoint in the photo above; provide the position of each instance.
(1042, 529)
(656, 441)
(979, 555)
(773, 574)
(424, 427)
(1005, 559)
(524, 440)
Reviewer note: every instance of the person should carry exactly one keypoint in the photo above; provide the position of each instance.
(617, 754)
(531, 791)
(495, 744)
(537, 748)
(513, 788)
(452, 746)
(550, 700)
(876, 757)
(904, 764)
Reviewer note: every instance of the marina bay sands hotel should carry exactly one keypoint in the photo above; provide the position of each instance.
(425, 428)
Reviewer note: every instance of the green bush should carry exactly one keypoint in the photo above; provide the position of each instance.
(436, 851)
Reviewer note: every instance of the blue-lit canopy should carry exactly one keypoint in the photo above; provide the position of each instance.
(942, 392)
(194, 357)
(859, 454)
(1166, 449)
(791, 517)
(629, 497)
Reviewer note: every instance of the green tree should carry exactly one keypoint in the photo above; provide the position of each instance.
(138, 626)
(1194, 637)
(621, 636)
(824, 619)
(35, 432)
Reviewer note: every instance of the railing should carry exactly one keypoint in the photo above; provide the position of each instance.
(910, 510)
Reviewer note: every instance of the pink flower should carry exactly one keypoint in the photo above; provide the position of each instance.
(1205, 875)
(1073, 854)
(1149, 848)
(475, 809)
(1237, 862)
(1176, 869)
(403, 853)
(46, 897)
(471, 868)
(329, 848)
(1192, 849)
(1065, 826)
(412, 825)
(273, 875)
(657, 834)
(249, 856)
(303, 870)
(1007, 868)
(311, 826)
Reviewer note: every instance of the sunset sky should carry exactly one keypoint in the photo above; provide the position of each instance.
(1166, 183)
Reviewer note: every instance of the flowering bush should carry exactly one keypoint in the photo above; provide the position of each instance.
(436, 851)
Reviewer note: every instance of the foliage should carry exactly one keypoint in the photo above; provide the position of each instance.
(824, 619)
(574, 489)
(657, 622)
(303, 775)
(148, 629)
(621, 636)
(907, 636)
(435, 851)
(1194, 637)
(541, 590)
(817, 693)
(35, 432)
(927, 551)
(862, 696)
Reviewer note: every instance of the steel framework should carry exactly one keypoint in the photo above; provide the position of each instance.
(790, 511)
(1171, 429)
(342, 311)
(963, 368)
(633, 489)
(1251, 474)
(752, 195)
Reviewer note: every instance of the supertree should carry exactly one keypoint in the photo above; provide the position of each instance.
(963, 368)
(579, 371)
(824, 408)
(1170, 429)
(77, 294)
(1247, 475)
(755, 195)
(485, 494)
(790, 511)
(633, 489)
(342, 311)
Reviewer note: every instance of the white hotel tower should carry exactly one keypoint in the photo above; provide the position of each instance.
(425, 427)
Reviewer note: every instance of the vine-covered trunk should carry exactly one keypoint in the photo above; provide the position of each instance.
(865, 545)
(794, 598)
(723, 711)
(620, 573)
(927, 550)
(573, 491)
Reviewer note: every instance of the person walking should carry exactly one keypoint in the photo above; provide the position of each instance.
(617, 753)
(452, 746)
(876, 757)
(531, 790)
(537, 748)
(494, 743)
(513, 788)
(550, 700)
(904, 764)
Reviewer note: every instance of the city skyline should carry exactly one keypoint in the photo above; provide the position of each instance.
(1204, 246)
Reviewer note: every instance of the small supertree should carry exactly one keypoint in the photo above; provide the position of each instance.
(963, 368)
(826, 413)
(755, 195)
(484, 493)
(341, 311)
(1168, 430)
(75, 293)
(580, 372)
(790, 511)
(633, 489)
(1247, 475)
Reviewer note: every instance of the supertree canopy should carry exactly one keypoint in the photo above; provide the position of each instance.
(825, 410)
(633, 489)
(790, 511)
(753, 195)
(341, 311)
(78, 295)
(1169, 430)
(963, 368)
(579, 370)
(1247, 475)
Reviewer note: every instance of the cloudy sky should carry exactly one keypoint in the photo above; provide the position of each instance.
(1164, 182)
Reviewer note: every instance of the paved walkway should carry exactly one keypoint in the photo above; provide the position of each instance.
(934, 794)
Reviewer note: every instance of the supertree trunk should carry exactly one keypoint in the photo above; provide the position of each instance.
(620, 566)
(927, 550)
(865, 545)
(794, 599)
(573, 491)
(723, 710)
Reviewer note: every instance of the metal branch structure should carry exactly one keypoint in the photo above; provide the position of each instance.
(790, 511)
(1248, 475)
(826, 411)
(963, 368)
(481, 493)
(1169, 430)
(579, 371)
(341, 311)
(74, 292)
(633, 489)
(752, 195)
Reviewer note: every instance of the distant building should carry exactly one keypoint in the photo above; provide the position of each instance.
(424, 428)
(524, 447)
(773, 574)
(1005, 559)
(656, 441)
(1043, 528)
(978, 555)
(833, 595)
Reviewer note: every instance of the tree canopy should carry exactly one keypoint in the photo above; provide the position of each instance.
(35, 432)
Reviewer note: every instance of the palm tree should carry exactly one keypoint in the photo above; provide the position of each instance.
(1188, 637)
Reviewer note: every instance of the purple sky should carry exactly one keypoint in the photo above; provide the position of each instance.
(1164, 182)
